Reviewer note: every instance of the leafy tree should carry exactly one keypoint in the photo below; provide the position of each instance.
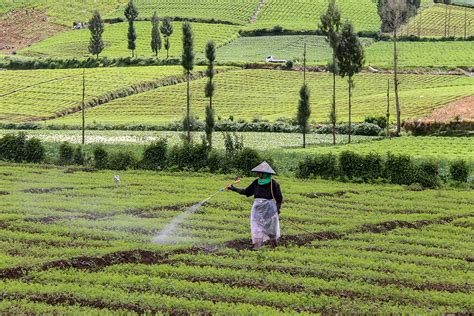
(304, 111)
(96, 27)
(393, 14)
(209, 90)
(350, 58)
(330, 25)
(166, 29)
(131, 13)
(155, 34)
(187, 61)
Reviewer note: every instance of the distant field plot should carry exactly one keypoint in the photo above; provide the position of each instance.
(468, 3)
(305, 14)
(437, 22)
(65, 11)
(271, 94)
(422, 54)
(439, 148)
(257, 49)
(39, 94)
(74, 44)
(236, 11)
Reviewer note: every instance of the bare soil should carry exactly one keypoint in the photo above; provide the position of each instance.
(464, 109)
(22, 28)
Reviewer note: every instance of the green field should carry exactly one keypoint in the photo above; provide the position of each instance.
(271, 94)
(305, 14)
(431, 22)
(70, 242)
(236, 11)
(27, 95)
(73, 44)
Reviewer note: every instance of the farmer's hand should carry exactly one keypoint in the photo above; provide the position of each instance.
(230, 187)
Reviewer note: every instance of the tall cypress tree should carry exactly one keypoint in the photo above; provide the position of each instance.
(350, 57)
(155, 34)
(209, 90)
(330, 25)
(187, 61)
(96, 27)
(304, 111)
(131, 13)
(166, 29)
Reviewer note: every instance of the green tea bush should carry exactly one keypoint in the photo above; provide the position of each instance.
(427, 174)
(324, 166)
(34, 151)
(155, 155)
(78, 157)
(372, 166)
(380, 121)
(459, 171)
(367, 129)
(66, 154)
(216, 162)
(12, 147)
(188, 156)
(246, 159)
(400, 169)
(351, 164)
(121, 161)
(101, 158)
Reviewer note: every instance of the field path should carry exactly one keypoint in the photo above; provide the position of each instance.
(257, 12)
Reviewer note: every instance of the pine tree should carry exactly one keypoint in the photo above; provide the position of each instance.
(167, 30)
(155, 34)
(187, 61)
(304, 112)
(209, 90)
(330, 25)
(350, 57)
(131, 13)
(96, 27)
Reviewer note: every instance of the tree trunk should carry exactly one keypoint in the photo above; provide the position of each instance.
(388, 108)
(83, 107)
(350, 109)
(333, 111)
(188, 106)
(395, 78)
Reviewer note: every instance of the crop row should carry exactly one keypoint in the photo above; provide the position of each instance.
(270, 94)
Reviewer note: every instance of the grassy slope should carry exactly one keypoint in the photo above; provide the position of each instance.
(74, 44)
(43, 99)
(91, 219)
(431, 22)
(236, 11)
(273, 94)
(304, 14)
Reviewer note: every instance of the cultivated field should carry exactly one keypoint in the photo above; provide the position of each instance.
(74, 44)
(70, 242)
(40, 94)
(271, 94)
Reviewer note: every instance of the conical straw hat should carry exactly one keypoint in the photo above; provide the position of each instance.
(264, 167)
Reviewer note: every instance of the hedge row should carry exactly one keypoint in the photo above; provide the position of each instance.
(396, 169)
(453, 128)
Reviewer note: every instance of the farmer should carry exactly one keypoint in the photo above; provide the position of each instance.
(264, 218)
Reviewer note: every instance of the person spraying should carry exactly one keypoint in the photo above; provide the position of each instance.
(264, 217)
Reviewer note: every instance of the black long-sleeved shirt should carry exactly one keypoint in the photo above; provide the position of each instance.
(263, 191)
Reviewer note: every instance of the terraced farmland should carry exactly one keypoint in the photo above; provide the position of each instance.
(74, 44)
(305, 14)
(432, 22)
(271, 94)
(70, 242)
(236, 11)
(40, 94)
(422, 54)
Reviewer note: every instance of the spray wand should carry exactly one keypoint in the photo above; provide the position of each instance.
(220, 190)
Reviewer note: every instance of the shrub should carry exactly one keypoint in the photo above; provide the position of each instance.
(12, 147)
(350, 164)
(400, 169)
(216, 161)
(428, 174)
(66, 154)
(78, 157)
(381, 121)
(188, 156)
(154, 157)
(289, 64)
(372, 167)
(121, 161)
(101, 158)
(459, 171)
(367, 129)
(324, 166)
(246, 159)
(34, 151)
